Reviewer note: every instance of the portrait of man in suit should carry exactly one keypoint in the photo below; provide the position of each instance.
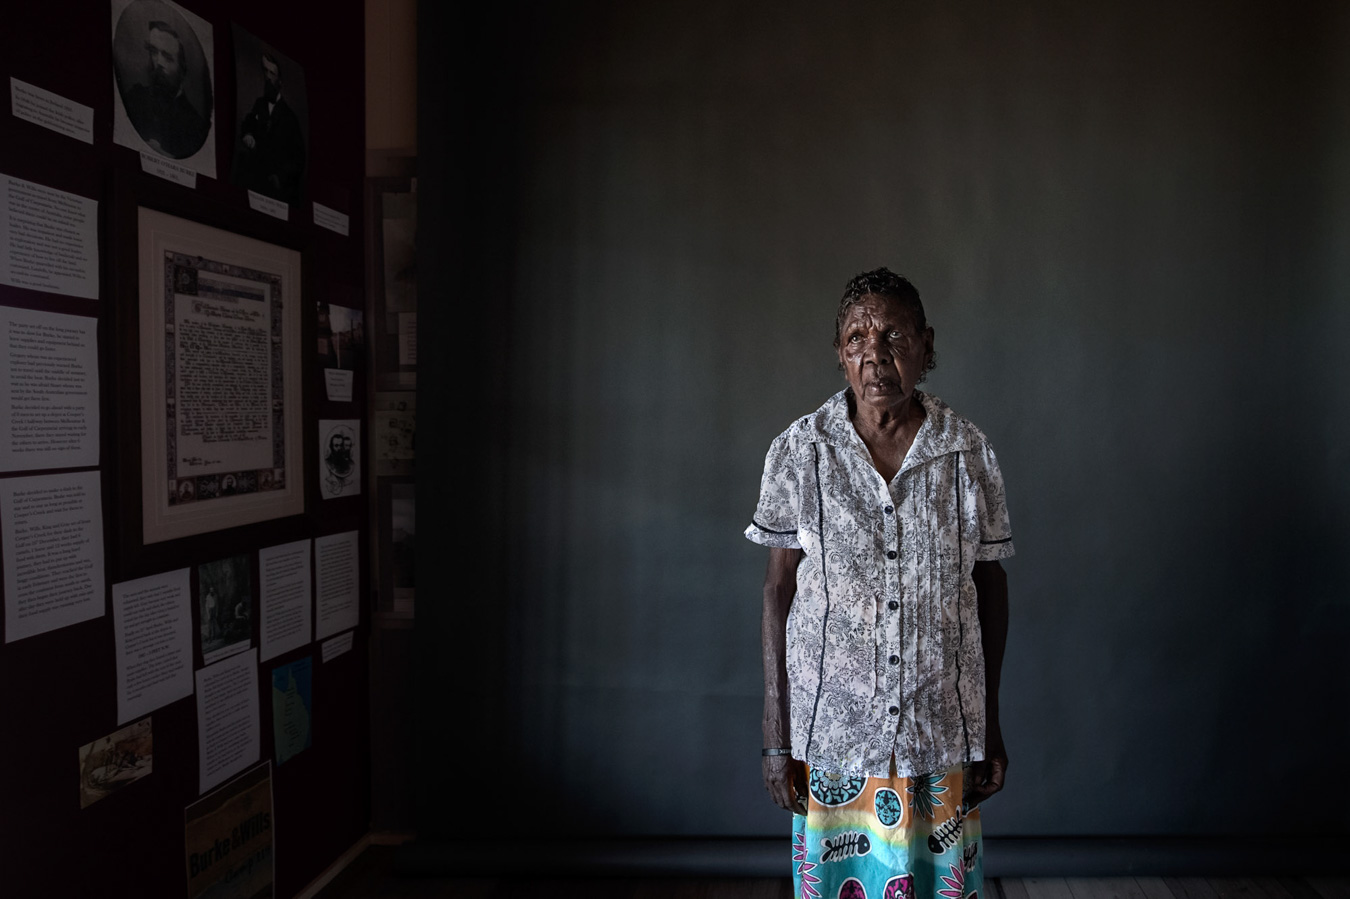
(269, 153)
(163, 80)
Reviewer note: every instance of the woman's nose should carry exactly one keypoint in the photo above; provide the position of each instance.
(876, 351)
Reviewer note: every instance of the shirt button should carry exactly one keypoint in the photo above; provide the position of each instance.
(890, 509)
(895, 660)
(893, 605)
(895, 710)
(891, 554)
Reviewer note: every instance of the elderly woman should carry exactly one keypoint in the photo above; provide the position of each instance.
(885, 615)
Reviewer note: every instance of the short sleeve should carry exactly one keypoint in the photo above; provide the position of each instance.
(991, 505)
(776, 517)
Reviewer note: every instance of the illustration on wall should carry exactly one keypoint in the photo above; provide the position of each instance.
(110, 763)
(339, 458)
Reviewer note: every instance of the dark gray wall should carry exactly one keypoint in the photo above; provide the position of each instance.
(1130, 226)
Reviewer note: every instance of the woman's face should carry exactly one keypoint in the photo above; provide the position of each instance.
(882, 352)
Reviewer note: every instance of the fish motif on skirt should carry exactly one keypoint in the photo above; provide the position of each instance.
(887, 838)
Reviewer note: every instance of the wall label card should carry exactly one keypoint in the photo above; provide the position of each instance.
(48, 239)
(228, 730)
(152, 632)
(331, 649)
(337, 382)
(51, 528)
(286, 594)
(337, 584)
(275, 208)
(168, 170)
(48, 390)
(51, 111)
(332, 219)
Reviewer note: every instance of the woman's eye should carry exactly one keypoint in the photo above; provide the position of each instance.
(894, 335)
(854, 338)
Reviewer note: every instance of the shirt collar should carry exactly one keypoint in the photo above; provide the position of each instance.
(942, 431)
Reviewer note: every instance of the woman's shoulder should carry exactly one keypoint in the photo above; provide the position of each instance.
(824, 425)
(951, 427)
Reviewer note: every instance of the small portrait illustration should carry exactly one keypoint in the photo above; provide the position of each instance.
(340, 454)
(273, 120)
(185, 491)
(162, 69)
(339, 458)
(185, 280)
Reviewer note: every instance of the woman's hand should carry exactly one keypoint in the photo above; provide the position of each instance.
(785, 779)
(985, 778)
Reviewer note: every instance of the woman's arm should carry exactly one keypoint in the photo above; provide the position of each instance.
(784, 776)
(991, 588)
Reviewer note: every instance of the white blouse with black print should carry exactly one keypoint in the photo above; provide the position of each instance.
(883, 637)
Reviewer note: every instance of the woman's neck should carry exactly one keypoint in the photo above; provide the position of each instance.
(887, 432)
(887, 420)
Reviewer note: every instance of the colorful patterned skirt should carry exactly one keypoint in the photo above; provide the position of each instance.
(886, 838)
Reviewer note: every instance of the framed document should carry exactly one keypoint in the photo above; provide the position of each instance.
(220, 389)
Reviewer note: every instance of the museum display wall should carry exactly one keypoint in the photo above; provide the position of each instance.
(183, 446)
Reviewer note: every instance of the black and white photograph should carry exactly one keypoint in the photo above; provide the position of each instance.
(272, 120)
(163, 96)
(225, 597)
(341, 336)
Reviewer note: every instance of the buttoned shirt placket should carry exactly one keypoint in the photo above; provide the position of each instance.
(896, 656)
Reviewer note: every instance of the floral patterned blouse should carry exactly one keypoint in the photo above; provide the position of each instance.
(883, 637)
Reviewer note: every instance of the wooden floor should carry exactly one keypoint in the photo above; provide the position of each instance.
(370, 878)
(1172, 888)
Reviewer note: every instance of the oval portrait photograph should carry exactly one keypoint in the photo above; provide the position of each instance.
(162, 68)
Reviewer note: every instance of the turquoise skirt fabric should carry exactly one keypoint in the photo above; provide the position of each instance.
(886, 838)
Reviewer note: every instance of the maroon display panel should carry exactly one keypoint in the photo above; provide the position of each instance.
(60, 687)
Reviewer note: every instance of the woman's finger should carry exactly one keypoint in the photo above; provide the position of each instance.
(990, 783)
(975, 776)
